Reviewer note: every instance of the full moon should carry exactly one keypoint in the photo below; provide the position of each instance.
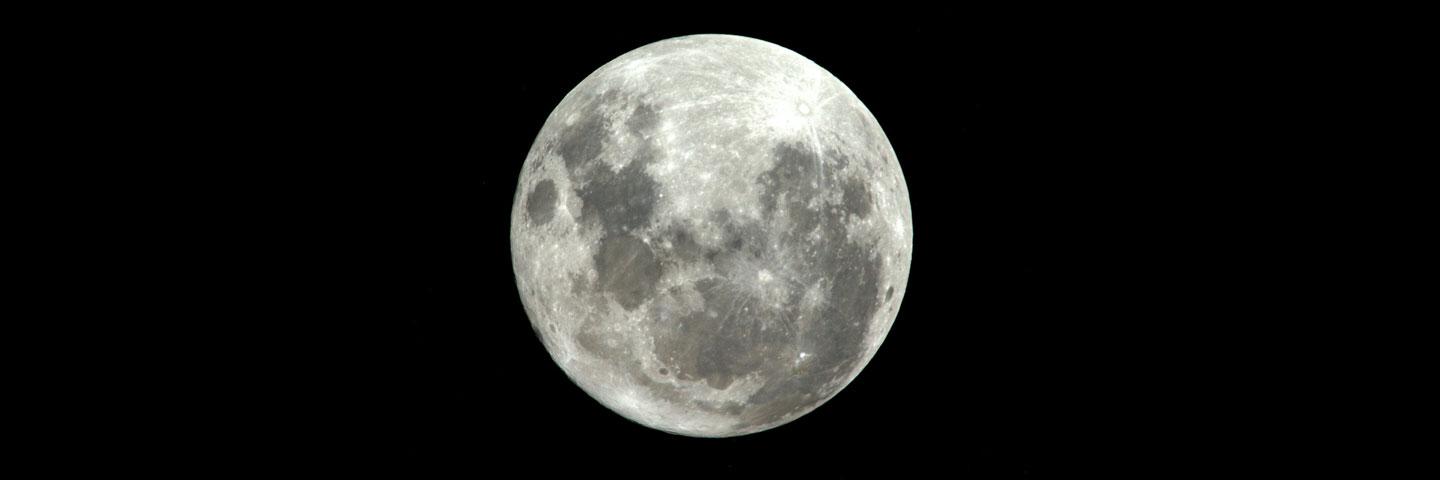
(711, 235)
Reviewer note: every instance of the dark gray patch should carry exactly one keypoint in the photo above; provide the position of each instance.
(541, 202)
(732, 409)
(724, 341)
(780, 396)
(851, 273)
(680, 245)
(856, 197)
(835, 340)
(619, 201)
(735, 243)
(664, 371)
(593, 338)
(583, 141)
(790, 182)
(643, 120)
(744, 242)
(832, 233)
(739, 242)
(854, 299)
(647, 154)
(627, 270)
(590, 339)
(889, 292)
(736, 334)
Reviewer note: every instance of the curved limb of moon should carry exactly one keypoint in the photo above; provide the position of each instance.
(711, 235)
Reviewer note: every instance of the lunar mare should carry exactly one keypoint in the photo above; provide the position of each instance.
(711, 235)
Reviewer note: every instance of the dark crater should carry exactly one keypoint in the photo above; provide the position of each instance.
(540, 206)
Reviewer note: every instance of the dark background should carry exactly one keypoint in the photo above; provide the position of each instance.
(1146, 240)
(1059, 282)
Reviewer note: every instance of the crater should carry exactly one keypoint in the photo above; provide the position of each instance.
(540, 205)
(773, 307)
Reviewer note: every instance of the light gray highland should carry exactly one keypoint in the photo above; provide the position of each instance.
(711, 235)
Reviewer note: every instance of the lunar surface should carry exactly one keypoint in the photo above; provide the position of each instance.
(711, 235)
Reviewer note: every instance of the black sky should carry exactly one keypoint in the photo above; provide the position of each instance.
(1060, 258)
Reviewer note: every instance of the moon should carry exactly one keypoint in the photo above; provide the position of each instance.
(711, 235)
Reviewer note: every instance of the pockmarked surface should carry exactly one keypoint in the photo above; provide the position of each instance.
(711, 235)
